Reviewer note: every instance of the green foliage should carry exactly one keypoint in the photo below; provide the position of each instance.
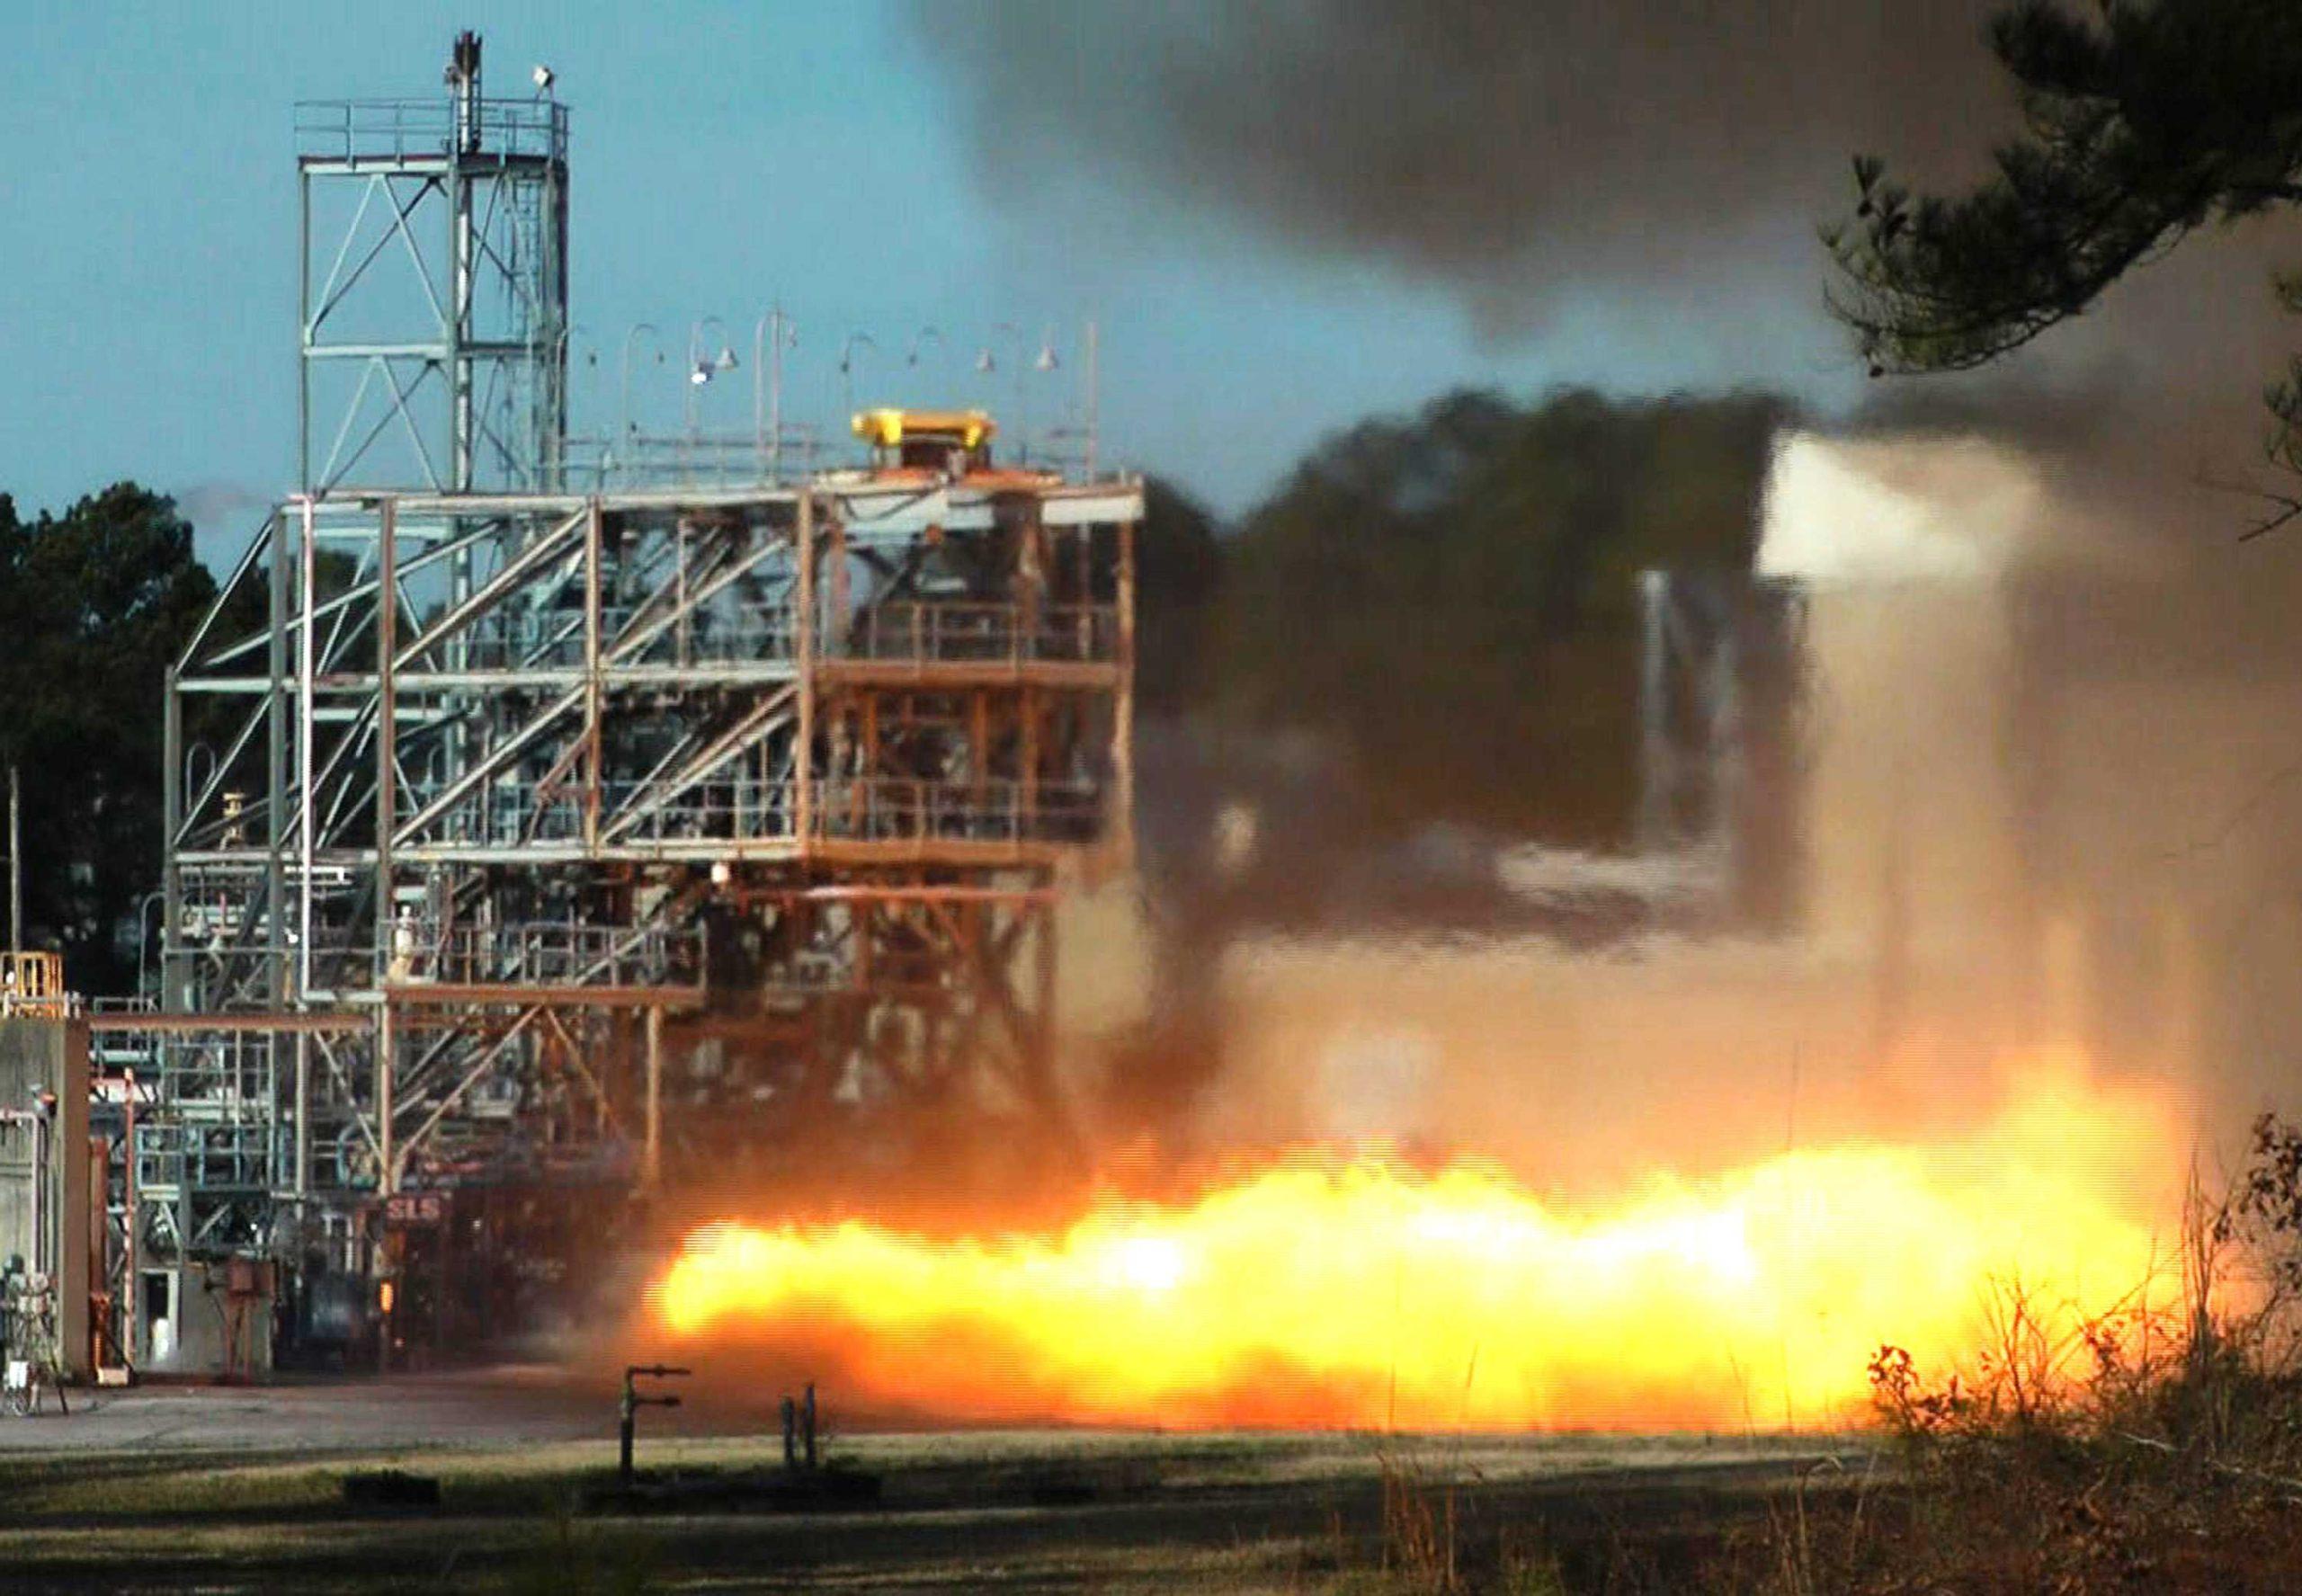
(2146, 120)
(94, 606)
(1452, 597)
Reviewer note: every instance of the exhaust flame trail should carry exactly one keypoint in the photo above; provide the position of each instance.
(1324, 1293)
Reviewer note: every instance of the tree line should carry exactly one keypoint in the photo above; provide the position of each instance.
(95, 603)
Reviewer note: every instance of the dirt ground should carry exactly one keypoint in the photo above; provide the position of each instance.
(232, 1489)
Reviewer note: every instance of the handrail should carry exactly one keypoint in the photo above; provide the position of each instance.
(537, 952)
(957, 631)
(31, 984)
(352, 129)
(751, 809)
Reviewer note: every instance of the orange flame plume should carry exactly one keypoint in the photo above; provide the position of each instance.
(1326, 1292)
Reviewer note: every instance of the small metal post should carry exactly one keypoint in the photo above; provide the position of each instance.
(172, 797)
(276, 778)
(628, 1411)
(15, 861)
(791, 1433)
(132, 1280)
(651, 1157)
(593, 690)
(307, 667)
(807, 1423)
(807, 618)
(464, 261)
(627, 1415)
(387, 1061)
(1093, 407)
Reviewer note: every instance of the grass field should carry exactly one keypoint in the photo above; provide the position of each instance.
(243, 1490)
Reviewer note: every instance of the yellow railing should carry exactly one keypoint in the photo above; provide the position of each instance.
(32, 985)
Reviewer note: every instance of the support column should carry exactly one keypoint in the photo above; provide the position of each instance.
(651, 1155)
(592, 675)
(306, 844)
(301, 1177)
(387, 1066)
(463, 435)
(835, 641)
(386, 726)
(275, 774)
(978, 756)
(172, 831)
(303, 333)
(307, 848)
(804, 617)
(1027, 773)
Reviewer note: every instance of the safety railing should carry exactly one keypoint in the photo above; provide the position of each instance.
(520, 814)
(375, 130)
(211, 1157)
(541, 953)
(960, 632)
(977, 633)
(556, 642)
(882, 810)
(747, 810)
(31, 984)
(750, 457)
(638, 814)
(228, 1075)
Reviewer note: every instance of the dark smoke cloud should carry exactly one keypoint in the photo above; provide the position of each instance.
(1673, 158)
(1500, 150)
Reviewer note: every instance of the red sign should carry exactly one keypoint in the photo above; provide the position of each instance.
(415, 1208)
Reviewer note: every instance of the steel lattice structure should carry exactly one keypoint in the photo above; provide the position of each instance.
(432, 265)
(524, 838)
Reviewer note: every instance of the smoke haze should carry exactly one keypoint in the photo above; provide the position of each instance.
(2049, 812)
(1670, 161)
(1505, 151)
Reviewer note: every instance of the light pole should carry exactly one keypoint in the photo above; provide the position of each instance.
(1043, 360)
(987, 363)
(624, 433)
(855, 341)
(919, 340)
(774, 336)
(1094, 419)
(703, 368)
(568, 439)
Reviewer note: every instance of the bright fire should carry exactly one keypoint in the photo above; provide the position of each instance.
(1324, 1292)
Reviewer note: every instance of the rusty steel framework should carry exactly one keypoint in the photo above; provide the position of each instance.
(518, 837)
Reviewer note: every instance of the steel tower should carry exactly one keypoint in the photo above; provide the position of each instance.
(529, 849)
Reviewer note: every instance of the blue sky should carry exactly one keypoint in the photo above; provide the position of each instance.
(724, 156)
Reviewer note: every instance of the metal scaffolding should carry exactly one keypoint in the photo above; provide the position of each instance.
(433, 289)
(808, 759)
(518, 838)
